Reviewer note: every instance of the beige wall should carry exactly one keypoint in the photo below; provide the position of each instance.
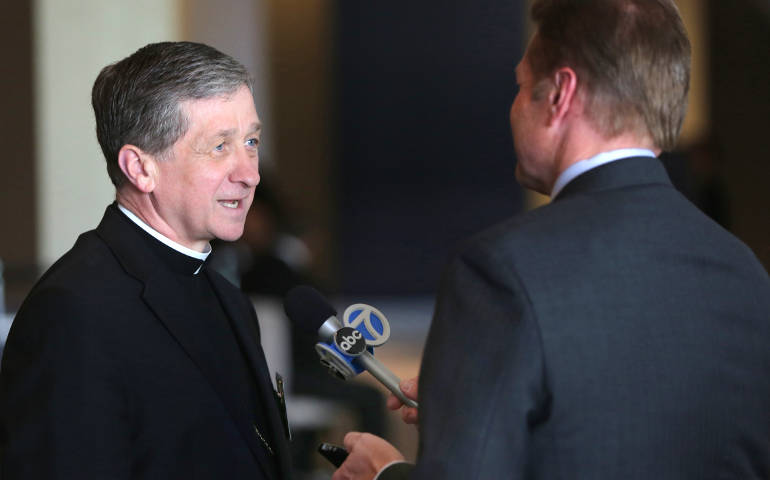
(74, 39)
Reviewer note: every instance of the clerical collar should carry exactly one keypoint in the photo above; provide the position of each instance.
(199, 257)
(583, 166)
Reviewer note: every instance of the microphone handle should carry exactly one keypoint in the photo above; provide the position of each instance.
(385, 376)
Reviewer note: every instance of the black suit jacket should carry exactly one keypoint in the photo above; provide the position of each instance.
(105, 375)
(614, 333)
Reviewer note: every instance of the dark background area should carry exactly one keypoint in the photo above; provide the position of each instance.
(425, 156)
(739, 46)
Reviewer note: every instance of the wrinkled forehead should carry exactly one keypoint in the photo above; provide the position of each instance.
(222, 115)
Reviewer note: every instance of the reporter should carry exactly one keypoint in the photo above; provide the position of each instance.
(616, 332)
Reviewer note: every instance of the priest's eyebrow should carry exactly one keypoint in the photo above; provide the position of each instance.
(254, 128)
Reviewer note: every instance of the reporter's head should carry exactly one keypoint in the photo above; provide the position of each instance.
(632, 59)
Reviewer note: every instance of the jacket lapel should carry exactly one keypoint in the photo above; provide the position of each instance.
(165, 295)
(176, 316)
(245, 326)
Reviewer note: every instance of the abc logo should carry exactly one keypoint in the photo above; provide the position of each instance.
(369, 321)
(350, 341)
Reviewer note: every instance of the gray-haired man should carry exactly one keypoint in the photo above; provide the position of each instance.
(130, 359)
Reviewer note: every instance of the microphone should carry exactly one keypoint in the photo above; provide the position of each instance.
(345, 348)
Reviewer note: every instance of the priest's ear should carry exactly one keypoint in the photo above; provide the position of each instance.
(139, 167)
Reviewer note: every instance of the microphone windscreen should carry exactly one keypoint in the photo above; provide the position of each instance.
(307, 309)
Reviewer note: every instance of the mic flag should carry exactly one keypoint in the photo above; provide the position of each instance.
(369, 321)
(363, 328)
(345, 348)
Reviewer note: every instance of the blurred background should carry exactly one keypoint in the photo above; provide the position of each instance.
(385, 142)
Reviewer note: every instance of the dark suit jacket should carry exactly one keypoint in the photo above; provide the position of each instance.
(105, 376)
(616, 333)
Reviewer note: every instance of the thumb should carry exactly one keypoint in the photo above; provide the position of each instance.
(351, 438)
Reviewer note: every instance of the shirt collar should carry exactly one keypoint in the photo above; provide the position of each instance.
(164, 239)
(583, 166)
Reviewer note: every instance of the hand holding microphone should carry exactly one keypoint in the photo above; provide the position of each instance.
(345, 348)
(408, 414)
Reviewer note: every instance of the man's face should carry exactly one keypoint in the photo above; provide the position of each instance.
(205, 189)
(529, 127)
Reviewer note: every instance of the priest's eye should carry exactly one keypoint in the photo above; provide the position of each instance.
(219, 147)
(252, 142)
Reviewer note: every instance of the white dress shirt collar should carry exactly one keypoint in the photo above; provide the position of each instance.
(164, 239)
(583, 166)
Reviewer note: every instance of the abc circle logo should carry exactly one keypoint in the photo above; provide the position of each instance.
(350, 341)
(368, 321)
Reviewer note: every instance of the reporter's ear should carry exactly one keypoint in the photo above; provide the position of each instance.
(562, 94)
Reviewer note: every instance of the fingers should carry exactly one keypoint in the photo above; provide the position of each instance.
(367, 455)
(351, 438)
(409, 415)
(409, 387)
(393, 402)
